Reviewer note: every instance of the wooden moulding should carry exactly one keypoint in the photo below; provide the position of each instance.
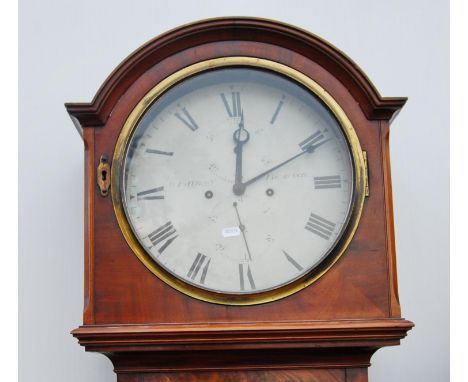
(96, 112)
(353, 333)
(316, 350)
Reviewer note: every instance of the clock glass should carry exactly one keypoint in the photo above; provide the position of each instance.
(237, 180)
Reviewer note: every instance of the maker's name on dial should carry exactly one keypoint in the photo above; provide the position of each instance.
(191, 183)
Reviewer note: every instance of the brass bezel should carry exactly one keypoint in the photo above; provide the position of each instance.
(259, 297)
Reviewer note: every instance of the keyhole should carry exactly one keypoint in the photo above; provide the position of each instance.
(103, 171)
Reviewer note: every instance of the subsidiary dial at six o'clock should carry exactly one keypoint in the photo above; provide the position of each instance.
(238, 182)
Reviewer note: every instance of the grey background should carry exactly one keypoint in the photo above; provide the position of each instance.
(67, 49)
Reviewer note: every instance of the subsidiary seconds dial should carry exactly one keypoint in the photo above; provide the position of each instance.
(237, 181)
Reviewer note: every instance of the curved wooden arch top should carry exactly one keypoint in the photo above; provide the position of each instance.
(318, 50)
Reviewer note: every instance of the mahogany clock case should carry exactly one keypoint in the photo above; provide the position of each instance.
(353, 306)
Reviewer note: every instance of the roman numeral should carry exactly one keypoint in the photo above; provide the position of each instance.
(153, 151)
(333, 181)
(320, 226)
(315, 140)
(293, 262)
(242, 277)
(233, 107)
(164, 235)
(187, 119)
(196, 265)
(278, 108)
(146, 195)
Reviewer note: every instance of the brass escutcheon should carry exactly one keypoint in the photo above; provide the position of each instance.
(103, 175)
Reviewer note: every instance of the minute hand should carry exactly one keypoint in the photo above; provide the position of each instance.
(310, 149)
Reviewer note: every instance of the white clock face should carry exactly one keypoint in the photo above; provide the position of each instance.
(238, 181)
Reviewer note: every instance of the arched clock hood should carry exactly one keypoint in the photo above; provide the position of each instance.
(96, 112)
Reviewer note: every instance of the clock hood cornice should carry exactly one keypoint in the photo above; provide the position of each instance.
(96, 112)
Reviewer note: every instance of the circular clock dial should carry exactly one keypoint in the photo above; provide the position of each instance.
(238, 181)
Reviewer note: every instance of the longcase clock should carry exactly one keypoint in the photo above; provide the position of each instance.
(238, 210)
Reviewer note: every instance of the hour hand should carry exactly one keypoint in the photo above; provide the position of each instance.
(241, 137)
